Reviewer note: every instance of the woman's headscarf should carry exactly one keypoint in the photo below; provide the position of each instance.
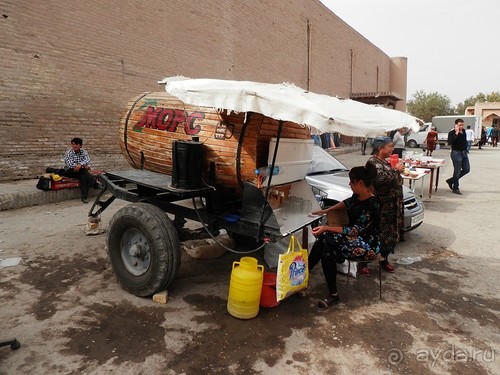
(379, 142)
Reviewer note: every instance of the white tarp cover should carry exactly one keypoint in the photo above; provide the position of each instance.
(288, 102)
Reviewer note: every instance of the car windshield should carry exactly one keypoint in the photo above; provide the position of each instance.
(425, 127)
(323, 162)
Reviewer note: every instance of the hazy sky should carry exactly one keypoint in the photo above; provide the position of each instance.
(453, 47)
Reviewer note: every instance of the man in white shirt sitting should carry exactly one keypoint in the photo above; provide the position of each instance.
(77, 162)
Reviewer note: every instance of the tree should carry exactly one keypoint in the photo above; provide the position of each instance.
(427, 105)
(479, 98)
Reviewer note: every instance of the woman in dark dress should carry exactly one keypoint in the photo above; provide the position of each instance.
(431, 141)
(358, 239)
(388, 187)
(482, 142)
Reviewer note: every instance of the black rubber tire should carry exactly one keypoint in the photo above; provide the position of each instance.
(412, 143)
(156, 229)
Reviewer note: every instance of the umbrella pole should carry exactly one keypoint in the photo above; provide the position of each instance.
(238, 152)
(275, 154)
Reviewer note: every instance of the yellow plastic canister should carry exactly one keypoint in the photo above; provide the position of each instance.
(245, 288)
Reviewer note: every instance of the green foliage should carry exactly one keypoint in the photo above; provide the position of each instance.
(479, 98)
(427, 105)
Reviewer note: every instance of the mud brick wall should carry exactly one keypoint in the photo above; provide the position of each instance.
(69, 68)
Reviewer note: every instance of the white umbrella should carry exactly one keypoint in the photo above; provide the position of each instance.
(288, 102)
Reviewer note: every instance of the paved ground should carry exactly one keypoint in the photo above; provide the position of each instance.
(439, 315)
(23, 193)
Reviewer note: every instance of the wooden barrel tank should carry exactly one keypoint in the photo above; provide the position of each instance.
(234, 145)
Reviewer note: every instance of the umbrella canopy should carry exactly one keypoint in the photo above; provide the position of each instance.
(288, 102)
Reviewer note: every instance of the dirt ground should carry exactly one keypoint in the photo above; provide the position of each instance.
(439, 315)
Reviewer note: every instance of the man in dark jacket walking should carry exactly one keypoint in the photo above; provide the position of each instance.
(494, 135)
(457, 140)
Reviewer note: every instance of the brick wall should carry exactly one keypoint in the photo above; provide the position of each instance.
(69, 68)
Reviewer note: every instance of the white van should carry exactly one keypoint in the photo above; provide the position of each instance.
(414, 140)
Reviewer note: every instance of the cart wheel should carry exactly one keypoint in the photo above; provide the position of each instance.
(143, 249)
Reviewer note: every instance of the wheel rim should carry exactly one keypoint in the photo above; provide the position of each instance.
(134, 249)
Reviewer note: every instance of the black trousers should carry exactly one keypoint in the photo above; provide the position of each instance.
(320, 251)
(399, 151)
(85, 178)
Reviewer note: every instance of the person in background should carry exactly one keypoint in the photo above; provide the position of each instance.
(488, 134)
(459, 156)
(359, 239)
(363, 146)
(431, 141)
(399, 142)
(494, 136)
(469, 135)
(77, 165)
(482, 141)
(388, 188)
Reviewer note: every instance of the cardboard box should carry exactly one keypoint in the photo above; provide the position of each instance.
(293, 159)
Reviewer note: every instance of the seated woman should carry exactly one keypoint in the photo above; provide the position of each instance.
(357, 240)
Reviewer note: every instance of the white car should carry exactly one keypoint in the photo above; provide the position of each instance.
(418, 139)
(329, 178)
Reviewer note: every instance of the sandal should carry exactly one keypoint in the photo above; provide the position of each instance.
(325, 303)
(387, 267)
(365, 271)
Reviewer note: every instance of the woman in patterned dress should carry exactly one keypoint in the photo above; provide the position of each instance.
(359, 239)
(388, 187)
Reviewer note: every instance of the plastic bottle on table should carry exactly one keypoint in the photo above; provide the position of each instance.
(266, 171)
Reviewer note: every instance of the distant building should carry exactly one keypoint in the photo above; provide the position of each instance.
(69, 71)
(489, 112)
